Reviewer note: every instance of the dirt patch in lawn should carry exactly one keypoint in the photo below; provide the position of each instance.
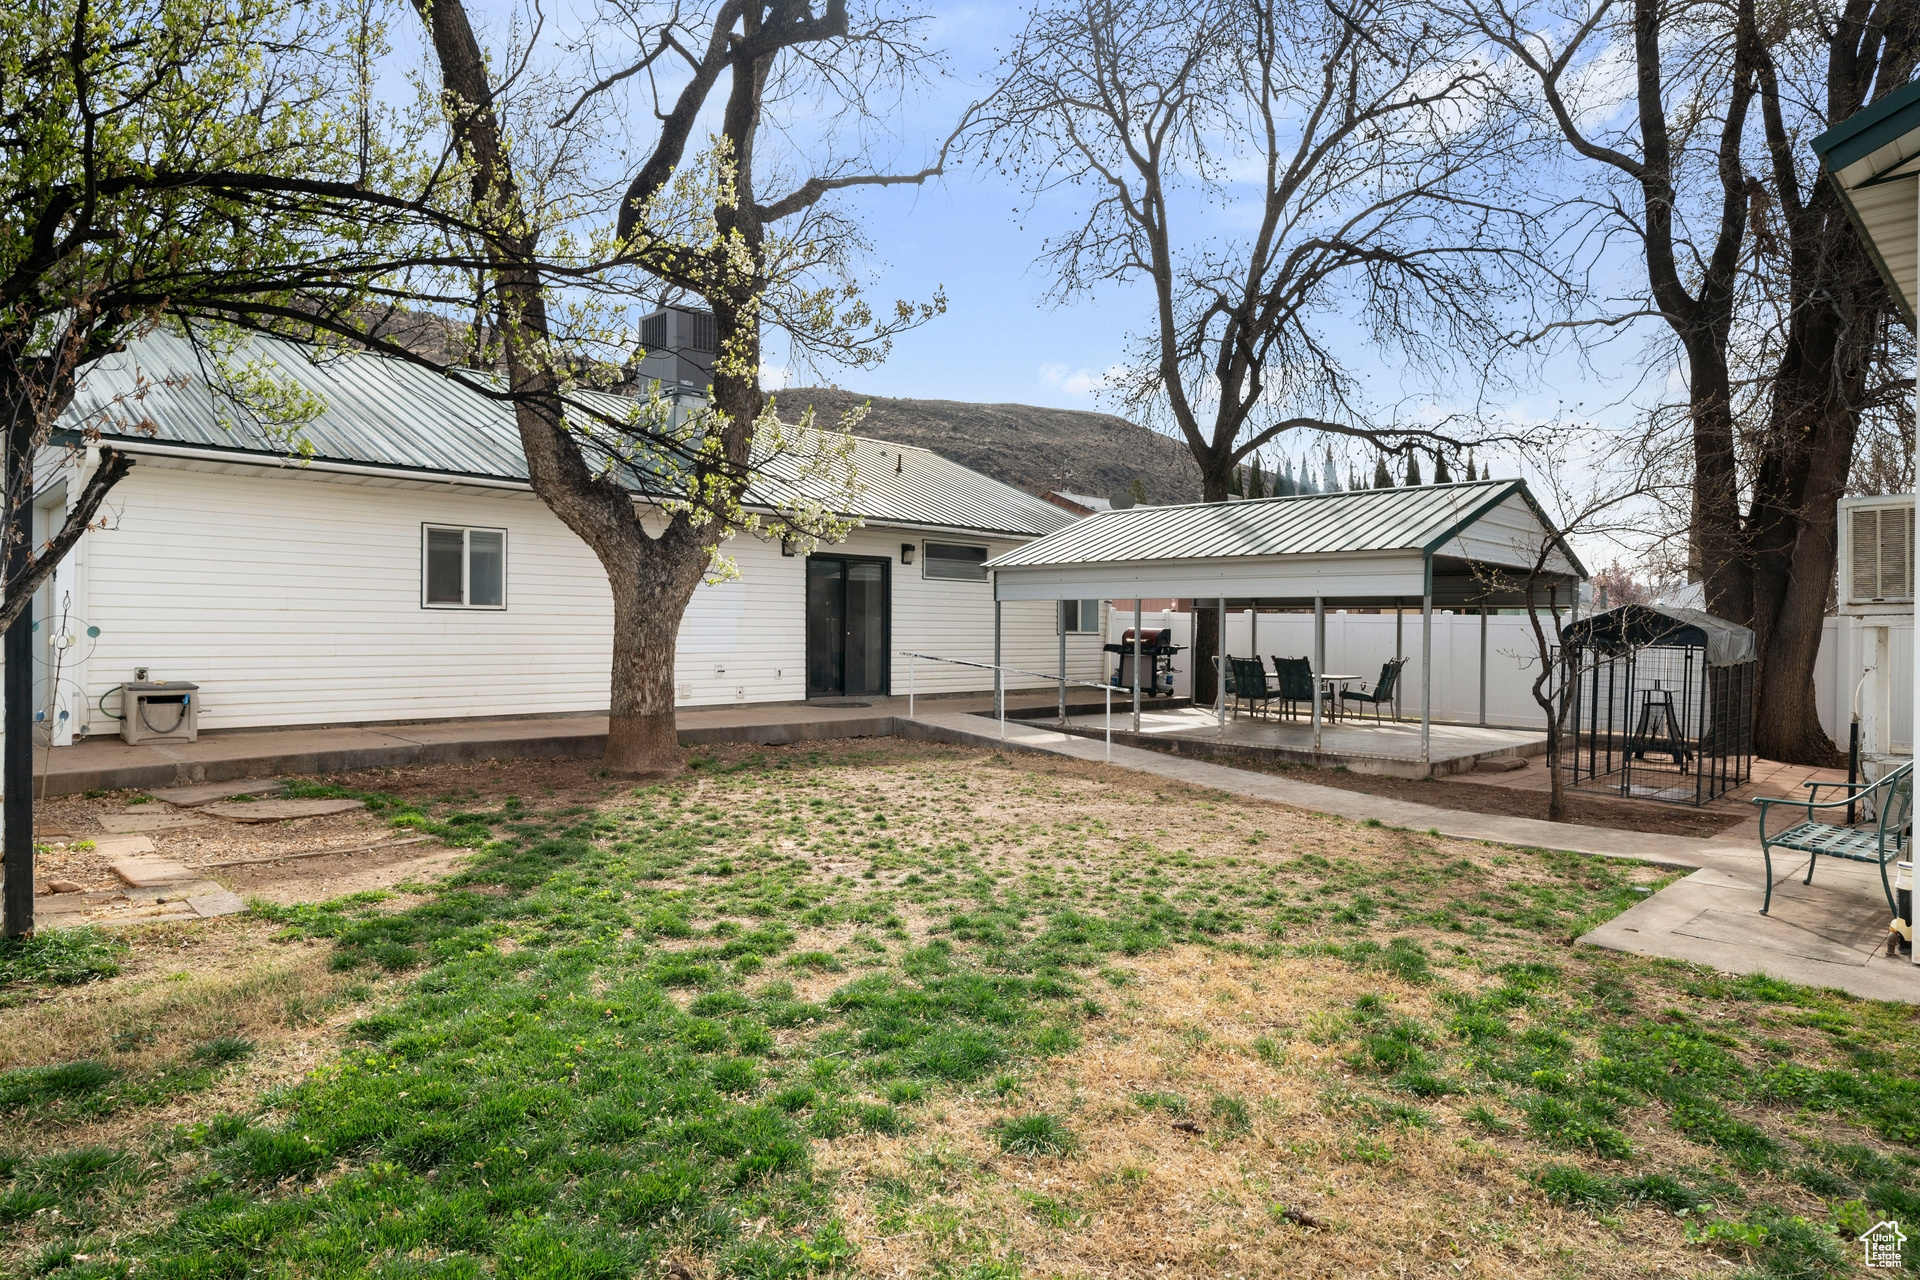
(1515, 802)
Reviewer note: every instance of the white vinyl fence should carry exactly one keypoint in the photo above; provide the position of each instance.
(1358, 643)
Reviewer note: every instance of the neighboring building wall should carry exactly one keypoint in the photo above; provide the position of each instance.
(294, 598)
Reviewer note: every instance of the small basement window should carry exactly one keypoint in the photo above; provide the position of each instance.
(1080, 616)
(955, 562)
(463, 568)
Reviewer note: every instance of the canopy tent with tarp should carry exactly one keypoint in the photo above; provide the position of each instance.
(1636, 626)
(1662, 702)
(1481, 544)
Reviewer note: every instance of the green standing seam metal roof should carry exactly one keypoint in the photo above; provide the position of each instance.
(1873, 159)
(1419, 518)
(385, 412)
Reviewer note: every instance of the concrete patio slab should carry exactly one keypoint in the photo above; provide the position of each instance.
(206, 766)
(1389, 748)
(1832, 933)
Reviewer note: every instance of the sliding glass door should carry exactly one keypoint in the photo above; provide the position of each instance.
(848, 613)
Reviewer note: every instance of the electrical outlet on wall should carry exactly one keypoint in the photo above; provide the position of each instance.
(719, 669)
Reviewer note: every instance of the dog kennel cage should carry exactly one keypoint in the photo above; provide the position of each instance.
(1662, 703)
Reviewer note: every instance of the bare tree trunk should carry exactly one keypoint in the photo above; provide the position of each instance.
(1718, 535)
(651, 578)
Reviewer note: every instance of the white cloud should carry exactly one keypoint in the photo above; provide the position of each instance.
(1078, 382)
(773, 377)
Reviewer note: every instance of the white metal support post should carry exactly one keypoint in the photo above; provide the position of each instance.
(1253, 625)
(1483, 667)
(1399, 651)
(1220, 685)
(1062, 612)
(999, 677)
(1136, 664)
(1426, 670)
(1319, 662)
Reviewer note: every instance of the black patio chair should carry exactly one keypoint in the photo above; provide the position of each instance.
(1295, 678)
(1250, 679)
(1382, 690)
(1231, 678)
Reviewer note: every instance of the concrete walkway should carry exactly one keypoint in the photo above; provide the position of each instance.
(1831, 934)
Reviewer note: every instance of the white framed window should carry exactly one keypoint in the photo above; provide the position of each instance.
(954, 562)
(1080, 617)
(462, 568)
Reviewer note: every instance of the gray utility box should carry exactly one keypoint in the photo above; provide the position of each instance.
(159, 711)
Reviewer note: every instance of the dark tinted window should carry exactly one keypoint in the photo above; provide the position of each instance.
(956, 562)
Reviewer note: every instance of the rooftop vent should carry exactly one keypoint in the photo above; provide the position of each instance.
(677, 346)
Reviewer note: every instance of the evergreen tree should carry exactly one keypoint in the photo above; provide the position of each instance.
(1256, 480)
(1413, 468)
(1382, 478)
(1138, 489)
(1470, 474)
(1283, 485)
(1440, 473)
(1332, 473)
(1236, 484)
(1306, 478)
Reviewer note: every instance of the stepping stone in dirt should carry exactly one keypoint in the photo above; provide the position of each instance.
(148, 873)
(282, 810)
(216, 902)
(122, 846)
(1500, 764)
(122, 824)
(194, 797)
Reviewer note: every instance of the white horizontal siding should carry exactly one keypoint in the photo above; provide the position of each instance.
(955, 620)
(294, 598)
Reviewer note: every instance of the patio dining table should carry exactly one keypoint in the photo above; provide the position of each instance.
(1331, 686)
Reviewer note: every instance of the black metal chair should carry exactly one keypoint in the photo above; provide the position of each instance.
(1382, 690)
(1250, 680)
(1295, 678)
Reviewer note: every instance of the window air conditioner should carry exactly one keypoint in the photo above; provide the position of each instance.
(1876, 554)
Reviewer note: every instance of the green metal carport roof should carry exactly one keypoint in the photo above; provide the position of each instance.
(1471, 542)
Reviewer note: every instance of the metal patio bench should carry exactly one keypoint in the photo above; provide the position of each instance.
(1880, 840)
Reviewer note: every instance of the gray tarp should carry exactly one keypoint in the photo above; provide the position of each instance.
(1637, 626)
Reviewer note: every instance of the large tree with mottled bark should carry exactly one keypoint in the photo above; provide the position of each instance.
(1287, 182)
(655, 493)
(1788, 341)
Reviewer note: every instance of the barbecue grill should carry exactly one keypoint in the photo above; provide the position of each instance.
(1156, 660)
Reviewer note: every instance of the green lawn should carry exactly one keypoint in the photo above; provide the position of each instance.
(889, 1006)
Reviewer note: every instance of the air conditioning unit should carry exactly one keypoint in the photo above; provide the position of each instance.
(1876, 555)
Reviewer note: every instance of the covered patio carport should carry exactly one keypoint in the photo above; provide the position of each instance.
(1477, 545)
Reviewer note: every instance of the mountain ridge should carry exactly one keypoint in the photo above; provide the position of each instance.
(1030, 447)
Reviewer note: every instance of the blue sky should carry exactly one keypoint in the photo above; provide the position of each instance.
(976, 234)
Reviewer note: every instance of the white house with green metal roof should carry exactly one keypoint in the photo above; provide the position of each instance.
(1873, 160)
(406, 571)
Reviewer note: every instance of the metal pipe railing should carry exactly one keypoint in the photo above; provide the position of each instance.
(1001, 670)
